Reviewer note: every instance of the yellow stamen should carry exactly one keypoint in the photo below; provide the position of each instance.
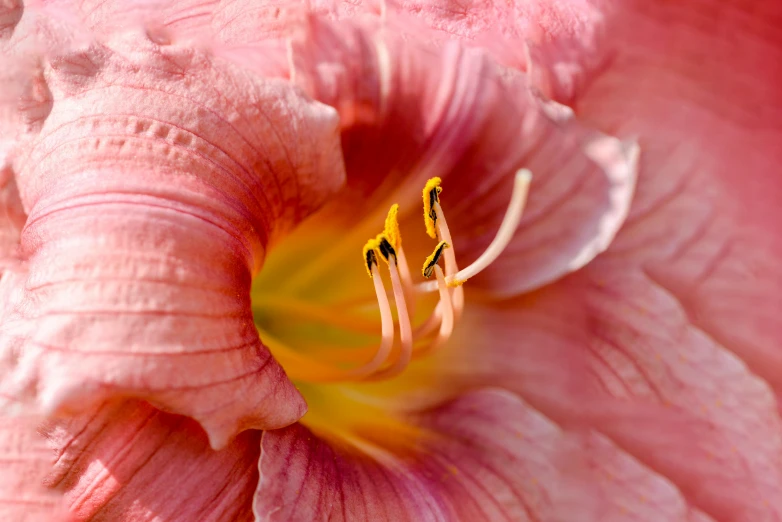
(385, 248)
(391, 229)
(450, 257)
(431, 195)
(432, 260)
(394, 236)
(386, 359)
(370, 250)
(504, 234)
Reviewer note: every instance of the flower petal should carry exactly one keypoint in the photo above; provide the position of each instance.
(559, 44)
(410, 111)
(705, 225)
(26, 460)
(157, 181)
(12, 216)
(485, 456)
(129, 461)
(691, 277)
(244, 31)
(658, 386)
(628, 490)
(10, 14)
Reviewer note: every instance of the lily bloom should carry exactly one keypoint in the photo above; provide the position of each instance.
(194, 193)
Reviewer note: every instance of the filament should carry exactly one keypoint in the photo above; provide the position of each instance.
(457, 293)
(407, 280)
(447, 322)
(405, 331)
(386, 330)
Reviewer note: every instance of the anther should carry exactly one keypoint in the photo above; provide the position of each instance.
(386, 250)
(394, 236)
(433, 259)
(431, 195)
(370, 258)
(391, 229)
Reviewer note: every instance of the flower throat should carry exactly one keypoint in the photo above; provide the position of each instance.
(400, 342)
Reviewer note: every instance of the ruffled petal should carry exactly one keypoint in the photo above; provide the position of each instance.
(485, 456)
(410, 111)
(244, 31)
(612, 350)
(561, 45)
(129, 461)
(12, 215)
(158, 178)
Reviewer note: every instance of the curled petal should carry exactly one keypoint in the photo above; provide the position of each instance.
(411, 111)
(154, 187)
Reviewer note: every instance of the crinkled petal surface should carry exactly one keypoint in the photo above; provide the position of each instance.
(12, 217)
(148, 156)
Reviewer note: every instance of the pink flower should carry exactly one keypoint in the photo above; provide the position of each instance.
(179, 178)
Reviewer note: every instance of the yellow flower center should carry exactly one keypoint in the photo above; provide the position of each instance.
(323, 323)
